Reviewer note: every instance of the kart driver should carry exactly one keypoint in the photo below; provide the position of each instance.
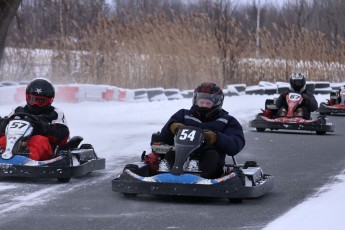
(298, 85)
(223, 133)
(50, 129)
(341, 95)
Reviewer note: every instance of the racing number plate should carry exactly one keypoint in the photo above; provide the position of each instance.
(189, 136)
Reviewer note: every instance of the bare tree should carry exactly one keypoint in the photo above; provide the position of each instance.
(231, 38)
(299, 12)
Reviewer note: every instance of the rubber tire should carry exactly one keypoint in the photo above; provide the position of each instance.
(260, 130)
(235, 200)
(320, 132)
(324, 113)
(130, 195)
(64, 180)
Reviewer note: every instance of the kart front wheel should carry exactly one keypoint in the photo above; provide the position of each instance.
(129, 195)
(320, 132)
(324, 113)
(64, 180)
(235, 200)
(323, 110)
(260, 130)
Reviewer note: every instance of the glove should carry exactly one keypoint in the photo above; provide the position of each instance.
(175, 126)
(305, 97)
(42, 124)
(210, 137)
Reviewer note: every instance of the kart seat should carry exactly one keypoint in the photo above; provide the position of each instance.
(72, 143)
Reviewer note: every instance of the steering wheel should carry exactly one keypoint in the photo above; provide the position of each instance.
(24, 116)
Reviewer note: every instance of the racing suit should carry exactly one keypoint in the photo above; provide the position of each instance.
(43, 141)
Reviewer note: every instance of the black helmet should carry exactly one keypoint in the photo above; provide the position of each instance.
(40, 93)
(211, 91)
(297, 82)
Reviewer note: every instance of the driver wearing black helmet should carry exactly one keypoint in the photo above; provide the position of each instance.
(50, 128)
(223, 133)
(298, 85)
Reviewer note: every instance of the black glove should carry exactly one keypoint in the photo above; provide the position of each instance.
(305, 99)
(175, 126)
(42, 124)
(210, 137)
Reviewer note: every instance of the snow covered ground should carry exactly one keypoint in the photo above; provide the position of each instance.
(109, 124)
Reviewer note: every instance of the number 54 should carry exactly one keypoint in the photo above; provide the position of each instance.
(184, 135)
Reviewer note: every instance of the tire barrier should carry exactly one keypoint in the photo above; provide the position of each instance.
(311, 87)
(187, 93)
(11, 92)
(255, 90)
(173, 94)
(322, 87)
(156, 94)
(140, 95)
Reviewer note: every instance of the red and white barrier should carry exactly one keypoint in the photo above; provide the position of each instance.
(73, 93)
(66, 93)
(113, 93)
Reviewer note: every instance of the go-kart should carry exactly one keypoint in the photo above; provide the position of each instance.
(335, 105)
(68, 161)
(237, 182)
(270, 118)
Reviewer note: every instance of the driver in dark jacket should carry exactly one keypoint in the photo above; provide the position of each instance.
(298, 85)
(223, 133)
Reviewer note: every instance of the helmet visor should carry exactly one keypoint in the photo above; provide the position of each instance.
(38, 100)
(214, 98)
(298, 83)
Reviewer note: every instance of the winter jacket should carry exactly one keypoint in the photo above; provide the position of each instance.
(230, 139)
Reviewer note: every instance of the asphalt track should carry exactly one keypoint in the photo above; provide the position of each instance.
(301, 162)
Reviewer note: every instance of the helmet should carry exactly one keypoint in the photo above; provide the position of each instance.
(297, 82)
(40, 93)
(211, 91)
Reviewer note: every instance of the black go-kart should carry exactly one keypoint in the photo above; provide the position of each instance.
(70, 160)
(335, 105)
(271, 119)
(237, 182)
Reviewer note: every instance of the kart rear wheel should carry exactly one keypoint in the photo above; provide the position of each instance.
(130, 195)
(64, 180)
(235, 200)
(260, 130)
(324, 112)
(320, 132)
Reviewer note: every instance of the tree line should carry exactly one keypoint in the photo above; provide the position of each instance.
(149, 43)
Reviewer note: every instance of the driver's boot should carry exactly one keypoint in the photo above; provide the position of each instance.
(164, 166)
(282, 112)
(193, 166)
(299, 112)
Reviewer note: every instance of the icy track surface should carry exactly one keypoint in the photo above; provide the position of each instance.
(118, 131)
